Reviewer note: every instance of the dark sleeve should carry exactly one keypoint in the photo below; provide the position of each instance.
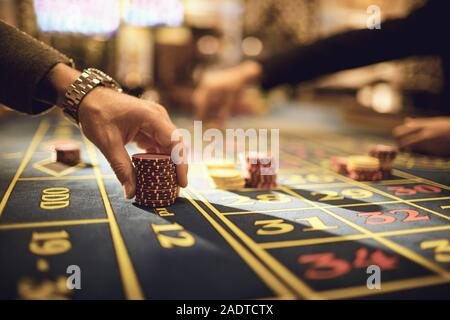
(413, 35)
(24, 64)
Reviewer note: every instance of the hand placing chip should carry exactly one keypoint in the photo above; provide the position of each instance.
(111, 120)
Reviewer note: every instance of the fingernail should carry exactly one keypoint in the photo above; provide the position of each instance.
(127, 192)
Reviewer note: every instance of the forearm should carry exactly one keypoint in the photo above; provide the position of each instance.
(399, 38)
(60, 78)
(25, 64)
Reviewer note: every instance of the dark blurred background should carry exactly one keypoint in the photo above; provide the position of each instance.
(158, 49)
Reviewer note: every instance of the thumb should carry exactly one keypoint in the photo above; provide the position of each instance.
(120, 162)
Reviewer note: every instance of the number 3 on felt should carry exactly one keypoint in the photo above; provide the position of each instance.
(182, 239)
(441, 249)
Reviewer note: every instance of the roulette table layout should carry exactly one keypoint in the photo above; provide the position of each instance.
(312, 237)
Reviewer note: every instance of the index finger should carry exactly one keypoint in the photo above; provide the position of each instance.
(405, 130)
(172, 143)
(162, 130)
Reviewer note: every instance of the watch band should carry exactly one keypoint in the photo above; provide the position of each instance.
(88, 80)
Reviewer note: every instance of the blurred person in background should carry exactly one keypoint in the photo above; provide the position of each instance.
(417, 34)
(35, 77)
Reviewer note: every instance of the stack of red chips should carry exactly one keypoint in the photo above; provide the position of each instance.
(386, 155)
(339, 165)
(156, 180)
(68, 153)
(259, 171)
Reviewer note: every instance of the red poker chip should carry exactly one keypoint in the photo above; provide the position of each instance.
(263, 172)
(68, 152)
(157, 185)
(154, 190)
(153, 173)
(155, 157)
(150, 181)
(170, 188)
(155, 198)
(339, 165)
(383, 153)
(155, 167)
(150, 192)
(259, 179)
(145, 163)
(156, 175)
(366, 175)
(156, 203)
(264, 160)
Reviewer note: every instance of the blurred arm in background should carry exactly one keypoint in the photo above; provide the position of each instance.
(417, 34)
(34, 77)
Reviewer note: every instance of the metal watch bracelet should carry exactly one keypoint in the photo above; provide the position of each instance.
(88, 80)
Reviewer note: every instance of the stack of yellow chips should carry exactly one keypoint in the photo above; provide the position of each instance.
(362, 162)
(225, 175)
(364, 168)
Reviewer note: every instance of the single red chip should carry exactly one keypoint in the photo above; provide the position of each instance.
(68, 153)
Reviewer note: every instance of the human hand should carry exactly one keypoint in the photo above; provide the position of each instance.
(111, 120)
(425, 135)
(219, 90)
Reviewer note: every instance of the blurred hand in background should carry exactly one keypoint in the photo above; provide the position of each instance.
(219, 90)
(425, 135)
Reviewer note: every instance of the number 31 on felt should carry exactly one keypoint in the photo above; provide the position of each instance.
(280, 226)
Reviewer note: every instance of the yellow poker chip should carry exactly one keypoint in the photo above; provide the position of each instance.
(363, 162)
(220, 164)
(231, 187)
(224, 174)
(230, 183)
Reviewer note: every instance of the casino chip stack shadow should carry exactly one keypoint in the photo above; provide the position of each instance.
(156, 180)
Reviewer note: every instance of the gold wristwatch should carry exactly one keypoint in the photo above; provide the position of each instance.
(89, 80)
